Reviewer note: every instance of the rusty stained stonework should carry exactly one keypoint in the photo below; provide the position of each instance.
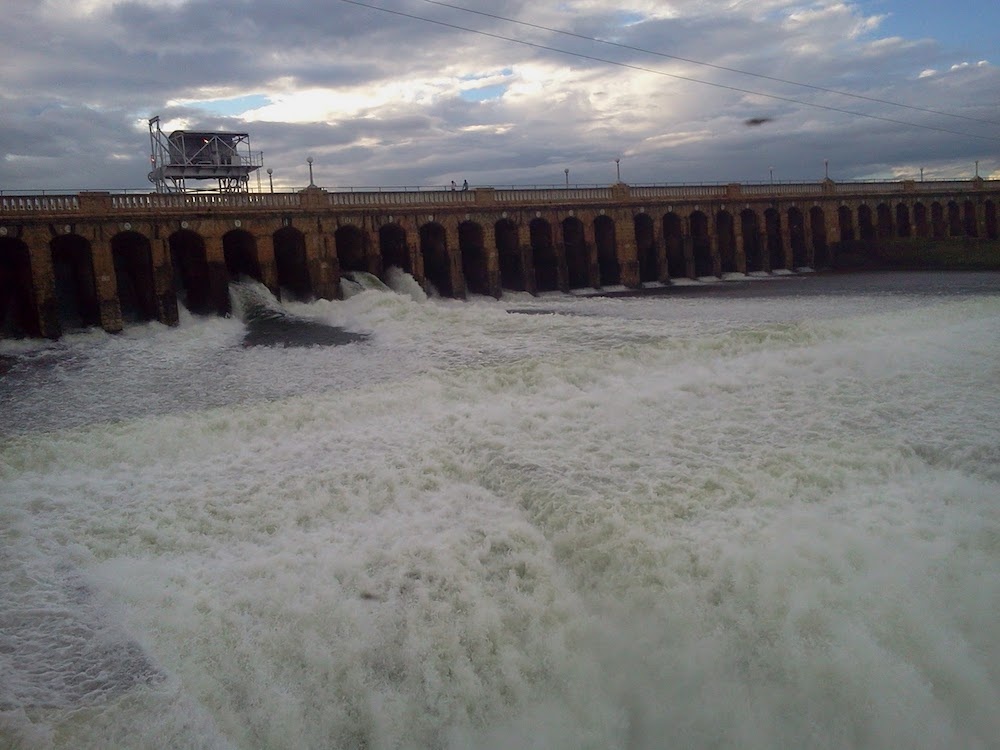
(100, 258)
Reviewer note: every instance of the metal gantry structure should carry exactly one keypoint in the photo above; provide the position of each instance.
(214, 162)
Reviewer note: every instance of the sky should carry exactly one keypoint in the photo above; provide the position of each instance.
(420, 93)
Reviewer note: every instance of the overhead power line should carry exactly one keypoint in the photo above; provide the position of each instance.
(644, 51)
(644, 69)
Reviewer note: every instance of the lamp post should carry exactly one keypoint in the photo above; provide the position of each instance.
(618, 168)
(977, 167)
(567, 176)
(921, 174)
(826, 169)
(270, 179)
(770, 171)
(309, 159)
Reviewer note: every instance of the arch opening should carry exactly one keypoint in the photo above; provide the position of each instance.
(350, 243)
(970, 225)
(884, 229)
(920, 224)
(192, 278)
(939, 227)
(817, 225)
(291, 265)
(76, 290)
(509, 255)
(393, 248)
(544, 255)
(797, 238)
(701, 244)
(845, 224)
(775, 248)
(645, 245)
(607, 251)
(575, 248)
(474, 268)
(239, 248)
(954, 219)
(673, 238)
(751, 240)
(18, 312)
(133, 260)
(437, 263)
(903, 228)
(726, 231)
(866, 225)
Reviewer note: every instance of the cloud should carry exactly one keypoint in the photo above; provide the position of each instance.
(379, 98)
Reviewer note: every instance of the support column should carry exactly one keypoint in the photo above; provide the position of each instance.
(37, 238)
(105, 281)
(454, 250)
(492, 259)
(712, 220)
(163, 279)
(324, 268)
(527, 257)
(218, 274)
(626, 250)
(786, 240)
(687, 243)
(808, 238)
(739, 249)
(266, 262)
(980, 209)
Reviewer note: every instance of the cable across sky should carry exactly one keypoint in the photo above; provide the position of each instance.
(644, 69)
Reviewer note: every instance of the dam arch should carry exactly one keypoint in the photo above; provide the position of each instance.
(437, 261)
(576, 254)
(393, 248)
(133, 261)
(608, 268)
(546, 260)
(75, 283)
(291, 263)
(475, 267)
(18, 312)
(351, 247)
(752, 251)
(645, 246)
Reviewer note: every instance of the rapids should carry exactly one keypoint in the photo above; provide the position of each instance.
(750, 514)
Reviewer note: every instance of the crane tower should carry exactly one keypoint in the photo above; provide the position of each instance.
(187, 156)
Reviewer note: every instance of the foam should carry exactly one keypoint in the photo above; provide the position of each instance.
(750, 522)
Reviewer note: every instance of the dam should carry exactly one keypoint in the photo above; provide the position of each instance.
(107, 259)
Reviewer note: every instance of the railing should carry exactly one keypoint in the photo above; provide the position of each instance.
(32, 203)
(313, 197)
(152, 201)
(449, 197)
(522, 195)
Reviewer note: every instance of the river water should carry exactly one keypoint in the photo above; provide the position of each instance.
(760, 514)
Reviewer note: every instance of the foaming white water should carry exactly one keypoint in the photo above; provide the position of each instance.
(611, 524)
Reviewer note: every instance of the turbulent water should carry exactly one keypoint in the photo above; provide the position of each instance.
(758, 515)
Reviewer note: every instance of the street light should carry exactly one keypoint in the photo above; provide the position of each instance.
(270, 179)
(770, 171)
(826, 169)
(310, 160)
(567, 176)
(618, 168)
